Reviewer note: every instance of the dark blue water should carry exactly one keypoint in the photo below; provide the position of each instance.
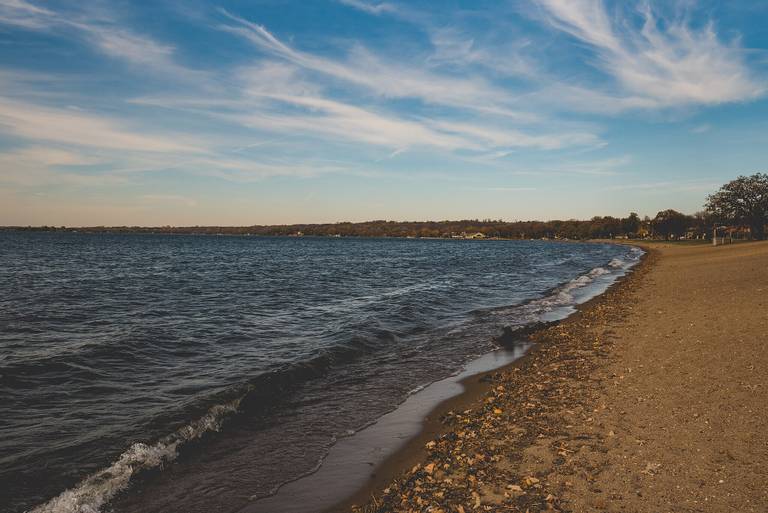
(206, 371)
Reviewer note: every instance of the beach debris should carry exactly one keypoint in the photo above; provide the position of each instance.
(651, 468)
(475, 464)
(529, 481)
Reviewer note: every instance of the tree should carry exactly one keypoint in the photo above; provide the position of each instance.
(742, 201)
(670, 222)
(631, 225)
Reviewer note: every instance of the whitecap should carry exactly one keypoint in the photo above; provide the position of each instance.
(96, 490)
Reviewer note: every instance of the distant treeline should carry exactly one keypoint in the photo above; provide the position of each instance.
(739, 206)
(667, 223)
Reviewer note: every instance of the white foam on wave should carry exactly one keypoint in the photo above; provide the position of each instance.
(616, 263)
(96, 490)
(563, 295)
(416, 390)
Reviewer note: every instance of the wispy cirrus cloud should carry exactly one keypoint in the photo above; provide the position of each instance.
(656, 68)
(498, 137)
(349, 122)
(24, 14)
(34, 166)
(332, 120)
(454, 47)
(701, 129)
(126, 45)
(143, 53)
(385, 79)
(104, 35)
(370, 7)
(67, 126)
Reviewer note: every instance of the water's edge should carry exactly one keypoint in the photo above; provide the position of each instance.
(355, 466)
(351, 461)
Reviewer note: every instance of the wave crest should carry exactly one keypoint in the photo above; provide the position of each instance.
(98, 489)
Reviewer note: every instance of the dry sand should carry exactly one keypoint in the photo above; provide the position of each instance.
(652, 398)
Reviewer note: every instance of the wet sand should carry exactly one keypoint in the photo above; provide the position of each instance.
(651, 398)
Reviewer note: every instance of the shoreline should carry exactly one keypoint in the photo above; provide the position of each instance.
(475, 387)
(127, 499)
(367, 460)
(369, 499)
(360, 463)
(561, 429)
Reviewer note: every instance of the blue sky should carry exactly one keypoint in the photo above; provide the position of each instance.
(260, 112)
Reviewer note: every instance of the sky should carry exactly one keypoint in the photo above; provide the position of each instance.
(201, 112)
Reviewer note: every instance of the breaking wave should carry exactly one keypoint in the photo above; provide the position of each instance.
(252, 396)
(98, 489)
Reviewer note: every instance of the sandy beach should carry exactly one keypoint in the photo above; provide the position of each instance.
(651, 398)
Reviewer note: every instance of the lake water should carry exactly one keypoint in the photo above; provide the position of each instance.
(200, 373)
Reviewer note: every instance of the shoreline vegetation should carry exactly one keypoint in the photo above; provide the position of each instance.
(598, 227)
(649, 398)
(739, 209)
(631, 227)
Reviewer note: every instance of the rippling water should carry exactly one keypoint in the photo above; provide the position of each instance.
(192, 373)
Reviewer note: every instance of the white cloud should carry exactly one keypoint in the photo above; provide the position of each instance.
(500, 137)
(274, 77)
(337, 120)
(385, 79)
(268, 90)
(453, 47)
(701, 129)
(104, 35)
(340, 120)
(251, 170)
(38, 123)
(48, 157)
(125, 45)
(679, 65)
(139, 50)
(370, 8)
(41, 165)
(24, 14)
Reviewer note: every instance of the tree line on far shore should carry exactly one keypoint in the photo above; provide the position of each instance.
(741, 204)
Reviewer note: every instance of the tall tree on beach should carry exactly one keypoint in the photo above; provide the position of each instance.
(670, 223)
(742, 201)
(631, 225)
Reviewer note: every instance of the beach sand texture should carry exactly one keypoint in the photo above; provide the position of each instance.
(652, 398)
